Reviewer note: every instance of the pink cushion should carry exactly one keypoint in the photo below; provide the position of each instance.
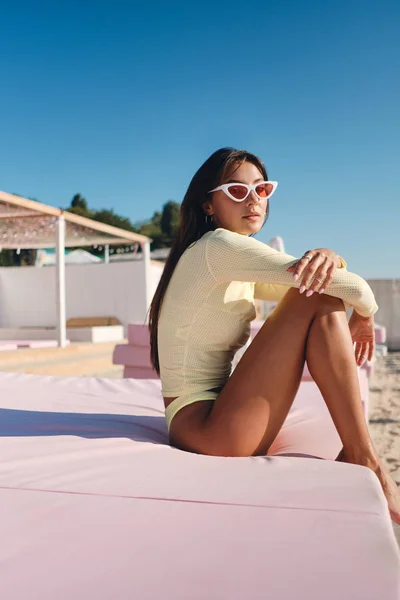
(138, 334)
(133, 356)
(380, 334)
(140, 373)
(95, 504)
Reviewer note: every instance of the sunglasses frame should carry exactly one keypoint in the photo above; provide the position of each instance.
(250, 187)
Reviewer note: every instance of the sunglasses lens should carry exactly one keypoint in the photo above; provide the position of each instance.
(264, 190)
(238, 191)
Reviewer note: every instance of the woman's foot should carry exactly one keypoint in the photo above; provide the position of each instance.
(389, 486)
(341, 457)
(390, 490)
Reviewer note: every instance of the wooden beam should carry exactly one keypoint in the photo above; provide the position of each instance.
(84, 222)
(98, 241)
(30, 204)
(19, 215)
(44, 209)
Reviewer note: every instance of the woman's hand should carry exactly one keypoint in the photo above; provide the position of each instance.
(363, 335)
(317, 268)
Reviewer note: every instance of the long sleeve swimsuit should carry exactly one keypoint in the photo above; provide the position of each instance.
(209, 304)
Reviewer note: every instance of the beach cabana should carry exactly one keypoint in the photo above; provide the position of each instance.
(27, 224)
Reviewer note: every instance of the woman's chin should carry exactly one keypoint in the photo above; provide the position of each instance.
(249, 227)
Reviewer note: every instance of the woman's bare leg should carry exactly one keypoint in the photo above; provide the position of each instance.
(331, 362)
(326, 344)
(349, 421)
(250, 410)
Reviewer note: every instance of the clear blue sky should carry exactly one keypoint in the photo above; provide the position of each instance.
(123, 101)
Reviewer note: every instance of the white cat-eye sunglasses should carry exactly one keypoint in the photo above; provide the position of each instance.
(239, 191)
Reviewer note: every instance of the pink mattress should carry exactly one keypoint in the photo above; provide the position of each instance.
(95, 504)
(15, 344)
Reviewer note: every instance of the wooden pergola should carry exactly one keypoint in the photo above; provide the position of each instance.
(27, 224)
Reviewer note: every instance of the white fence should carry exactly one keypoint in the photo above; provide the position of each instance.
(387, 294)
(28, 294)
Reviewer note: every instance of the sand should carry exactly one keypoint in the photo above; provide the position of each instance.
(384, 414)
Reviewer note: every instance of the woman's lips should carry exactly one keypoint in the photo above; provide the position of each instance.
(252, 217)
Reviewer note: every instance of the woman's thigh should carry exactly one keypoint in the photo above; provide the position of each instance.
(251, 408)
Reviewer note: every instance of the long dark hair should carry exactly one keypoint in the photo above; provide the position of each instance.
(192, 224)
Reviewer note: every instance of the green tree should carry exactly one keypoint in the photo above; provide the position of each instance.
(79, 202)
(11, 258)
(170, 219)
(162, 227)
(80, 207)
(110, 218)
(7, 258)
(153, 231)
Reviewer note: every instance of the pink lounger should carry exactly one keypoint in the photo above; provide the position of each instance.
(94, 503)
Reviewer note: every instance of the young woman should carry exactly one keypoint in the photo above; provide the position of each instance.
(201, 313)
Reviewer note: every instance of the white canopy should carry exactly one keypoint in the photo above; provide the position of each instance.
(26, 224)
(29, 224)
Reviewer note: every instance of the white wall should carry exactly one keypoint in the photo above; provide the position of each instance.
(156, 272)
(387, 295)
(28, 298)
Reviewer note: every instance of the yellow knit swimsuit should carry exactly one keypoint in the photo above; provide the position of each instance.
(209, 304)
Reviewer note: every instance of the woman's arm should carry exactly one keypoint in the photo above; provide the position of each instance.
(275, 291)
(235, 257)
(362, 332)
(272, 292)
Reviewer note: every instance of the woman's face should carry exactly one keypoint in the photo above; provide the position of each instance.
(244, 217)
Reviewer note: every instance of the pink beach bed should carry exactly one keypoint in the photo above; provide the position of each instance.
(96, 504)
(17, 344)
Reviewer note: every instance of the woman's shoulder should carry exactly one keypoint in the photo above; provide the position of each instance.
(225, 235)
(215, 234)
(231, 239)
(222, 233)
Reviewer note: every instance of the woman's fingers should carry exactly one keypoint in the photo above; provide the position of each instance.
(316, 268)
(301, 265)
(308, 273)
(357, 352)
(322, 277)
(371, 350)
(318, 275)
(363, 352)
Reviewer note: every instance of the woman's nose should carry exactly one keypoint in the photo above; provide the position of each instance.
(252, 198)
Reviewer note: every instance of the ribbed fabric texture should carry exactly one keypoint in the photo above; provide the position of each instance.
(209, 304)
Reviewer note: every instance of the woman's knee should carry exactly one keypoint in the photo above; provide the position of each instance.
(331, 302)
(322, 298)
(315, 301)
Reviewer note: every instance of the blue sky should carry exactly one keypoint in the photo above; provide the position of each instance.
(123, 102)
